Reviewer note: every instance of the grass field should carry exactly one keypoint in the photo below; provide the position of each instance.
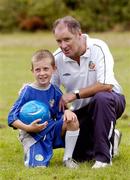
(15, 55)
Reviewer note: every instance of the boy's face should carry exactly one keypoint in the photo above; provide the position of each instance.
(43, 71)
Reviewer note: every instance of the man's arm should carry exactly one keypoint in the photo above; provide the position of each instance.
(87, 92)
(92, 90)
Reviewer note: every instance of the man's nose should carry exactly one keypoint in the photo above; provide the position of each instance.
(63, 45)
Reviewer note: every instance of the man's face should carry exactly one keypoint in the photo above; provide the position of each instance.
(68, 42)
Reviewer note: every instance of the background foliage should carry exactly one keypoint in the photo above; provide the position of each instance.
(96, 15)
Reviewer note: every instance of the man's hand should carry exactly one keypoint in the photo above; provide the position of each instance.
(68, 97)
(65, 99)
(62, 105)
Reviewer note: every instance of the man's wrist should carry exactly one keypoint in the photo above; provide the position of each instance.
(76, 92)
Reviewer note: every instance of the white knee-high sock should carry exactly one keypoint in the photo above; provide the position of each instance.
(70, 141)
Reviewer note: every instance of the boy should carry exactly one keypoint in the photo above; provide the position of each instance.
(61, 130)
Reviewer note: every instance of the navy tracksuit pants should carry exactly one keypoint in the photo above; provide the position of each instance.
(97, 122)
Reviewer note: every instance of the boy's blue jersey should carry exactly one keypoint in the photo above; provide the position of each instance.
(50, 96)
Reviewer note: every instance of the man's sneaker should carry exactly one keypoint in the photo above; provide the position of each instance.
(99, 164)
(70, 163)
(117, 140)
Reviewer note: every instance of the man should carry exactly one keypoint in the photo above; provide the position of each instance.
(85, 69)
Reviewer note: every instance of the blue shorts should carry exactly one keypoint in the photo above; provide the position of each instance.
(40, 153)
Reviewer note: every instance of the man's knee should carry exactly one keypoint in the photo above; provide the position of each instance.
(102, 97)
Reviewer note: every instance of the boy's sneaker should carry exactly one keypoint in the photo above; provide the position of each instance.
(70, 163)
(117, 140)
(99, 164)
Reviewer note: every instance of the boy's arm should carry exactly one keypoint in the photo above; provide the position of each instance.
(33, 127)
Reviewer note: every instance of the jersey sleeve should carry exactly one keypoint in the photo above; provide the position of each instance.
(14, 112)
(105, 65)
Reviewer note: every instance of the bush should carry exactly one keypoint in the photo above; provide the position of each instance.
(47, 11)
(7, 16)
(96, 15)
(31, 23)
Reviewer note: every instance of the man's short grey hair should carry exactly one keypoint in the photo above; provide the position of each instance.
(72, 24)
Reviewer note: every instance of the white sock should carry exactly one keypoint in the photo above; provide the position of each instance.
(70, 141)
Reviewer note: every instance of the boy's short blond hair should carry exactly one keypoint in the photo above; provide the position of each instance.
(42, 54)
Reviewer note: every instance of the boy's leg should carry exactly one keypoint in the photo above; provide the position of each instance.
(70, 141)
(40, 153)
(37, 152)
(66, 136)
(71, 135)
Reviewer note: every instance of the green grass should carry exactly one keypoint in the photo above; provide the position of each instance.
(15, 55)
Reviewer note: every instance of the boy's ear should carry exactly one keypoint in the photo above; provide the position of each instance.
(32, 71)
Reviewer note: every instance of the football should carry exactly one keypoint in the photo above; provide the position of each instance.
(33, 110)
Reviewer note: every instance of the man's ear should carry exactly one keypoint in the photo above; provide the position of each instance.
(79, 34)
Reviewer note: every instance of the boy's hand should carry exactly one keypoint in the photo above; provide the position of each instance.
(69, 116)
(35, 127)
